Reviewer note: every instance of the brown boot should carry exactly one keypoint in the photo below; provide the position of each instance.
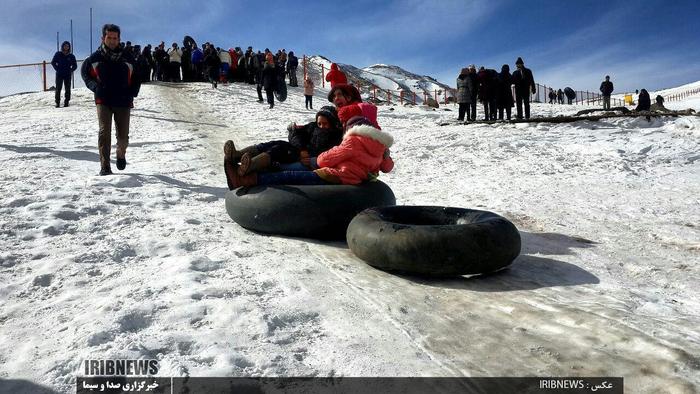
(254, 164)
(230, 152)
(235, 181)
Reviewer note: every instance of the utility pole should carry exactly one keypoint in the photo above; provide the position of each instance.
(57, 48)
(91, 30)
(72, 50)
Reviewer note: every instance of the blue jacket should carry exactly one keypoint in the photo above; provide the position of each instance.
(112, 77)
(197, 56)
(64, 64)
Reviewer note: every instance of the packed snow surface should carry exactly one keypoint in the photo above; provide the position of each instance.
(147, 264)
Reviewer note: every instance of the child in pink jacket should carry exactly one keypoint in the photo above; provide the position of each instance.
(363, 152)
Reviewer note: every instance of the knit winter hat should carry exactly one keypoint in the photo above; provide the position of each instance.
(348, 90)
(519, 61)
(348, 112)
(358, 121)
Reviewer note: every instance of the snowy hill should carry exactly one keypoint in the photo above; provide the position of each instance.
(147, 264)
(385, 77)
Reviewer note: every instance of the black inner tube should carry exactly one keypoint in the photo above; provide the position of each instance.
(431, 216)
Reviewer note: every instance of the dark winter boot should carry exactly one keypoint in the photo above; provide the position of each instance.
(58, 104)
(121, 163)
(65, 104)
(250, 163)
(105, 171)
(233, 180)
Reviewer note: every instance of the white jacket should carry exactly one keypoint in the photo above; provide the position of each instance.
(175, 55)
(224, 56)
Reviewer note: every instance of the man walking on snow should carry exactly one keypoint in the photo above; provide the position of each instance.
(111, 74)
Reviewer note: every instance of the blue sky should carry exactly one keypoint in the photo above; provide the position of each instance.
(641, 44)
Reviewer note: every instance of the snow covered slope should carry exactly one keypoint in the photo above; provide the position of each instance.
(147, 264)
(385, 77)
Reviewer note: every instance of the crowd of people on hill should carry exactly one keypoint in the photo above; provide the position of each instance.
(493, 90)
(189, 63)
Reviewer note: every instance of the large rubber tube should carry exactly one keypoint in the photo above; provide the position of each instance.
(321, 212)
(433, 241)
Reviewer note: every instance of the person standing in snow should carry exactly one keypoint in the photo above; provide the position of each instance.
(560, 96)
(292, 64)
(111, 75)
(464, 94)
(471, 110)
(570, 95)
(606, 88)
(487, 92)
(197, 63)
(504, 94)
(309, 93)
(268, 79)
(225, 59)
(335, 76)
(162, 60)
(524, 86)
(175, 55)
(186, 63)
(64, 63)
(212, 63)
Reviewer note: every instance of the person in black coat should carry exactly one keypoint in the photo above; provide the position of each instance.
(487, 91)
(471, 110)
(111, 74)
(162, 61)
(212, 63)
(644, 102)
(524, 86)
(606, 88)
(64, 63)
(292, 64)
(146, 64)
(504, 94)
(570, 95)
(269, 79)
(317, 137)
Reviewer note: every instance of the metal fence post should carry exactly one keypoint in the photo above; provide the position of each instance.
(43, 73)
(323, 77)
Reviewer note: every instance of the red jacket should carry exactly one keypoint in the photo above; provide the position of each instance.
(360, 154)
(335, 76)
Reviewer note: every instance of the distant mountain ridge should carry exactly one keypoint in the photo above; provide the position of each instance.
(384, 77)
